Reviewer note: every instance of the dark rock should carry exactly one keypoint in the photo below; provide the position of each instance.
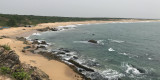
(54, 29)
(43, 47)
(60, 52)
(91, 63)
(23, 50)
(4, 36)
(43, 42)
(26, 42)
(80, 66)
(93, 41)
(139, 69)
(35, 42)
(21, 38)
(75, 57)
(65, 50)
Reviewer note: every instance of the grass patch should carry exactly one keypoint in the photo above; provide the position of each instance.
(18, 74)
(5, 70)
(1, 38)
(6, 47)
(21, 75)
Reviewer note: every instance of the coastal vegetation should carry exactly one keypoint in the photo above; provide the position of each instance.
(12, 68)
(22, 20)
(6, 47)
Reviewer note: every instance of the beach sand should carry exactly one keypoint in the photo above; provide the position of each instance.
(55, 69)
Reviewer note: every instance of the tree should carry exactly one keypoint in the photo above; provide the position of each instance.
(11, 22)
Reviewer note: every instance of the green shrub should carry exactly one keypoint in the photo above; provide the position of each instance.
(6, 47)
(21, 75)
(5, 70)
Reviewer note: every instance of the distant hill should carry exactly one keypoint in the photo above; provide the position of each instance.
(22, 20)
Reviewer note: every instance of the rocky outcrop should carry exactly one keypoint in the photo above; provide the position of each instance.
(39, 42)
(49, 55)
(93, 41)
(47, 29)
(80, 66)
(4, 36)
(11, 65)
(21, 38)
(53, 29)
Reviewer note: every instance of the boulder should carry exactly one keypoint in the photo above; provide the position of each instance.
(54, 29)
(35, 42)
(21, 38)
(65, 50)
(24, 50)
(43, 42)
(42, 47)
(93, 41)
(60, 52)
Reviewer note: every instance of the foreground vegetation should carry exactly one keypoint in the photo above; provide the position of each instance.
(22, 20)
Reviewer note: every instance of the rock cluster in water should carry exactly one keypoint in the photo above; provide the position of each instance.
(93, 41)
(48, 29)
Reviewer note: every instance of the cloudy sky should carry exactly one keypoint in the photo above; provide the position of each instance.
(83, 8)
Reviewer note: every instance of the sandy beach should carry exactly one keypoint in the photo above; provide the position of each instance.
(55, 69)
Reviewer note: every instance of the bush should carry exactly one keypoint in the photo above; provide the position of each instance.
(5, 70)
(21, 75)
(6, 47)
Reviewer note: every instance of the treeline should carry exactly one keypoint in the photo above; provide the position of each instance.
(22, 20)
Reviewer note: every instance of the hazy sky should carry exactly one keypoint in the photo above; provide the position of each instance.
(83, 8)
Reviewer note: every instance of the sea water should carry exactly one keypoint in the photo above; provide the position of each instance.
(130, 51)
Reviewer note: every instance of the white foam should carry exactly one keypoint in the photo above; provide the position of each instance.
(80, 24)
(110, 49)
(111, 74)
(80, 42)
(150, 59)
(36, 34)
(123, 54)
(68, 26)
(131, 69)
(117, 41)
(100, 42)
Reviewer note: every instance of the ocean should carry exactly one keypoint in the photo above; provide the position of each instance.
(126, 51)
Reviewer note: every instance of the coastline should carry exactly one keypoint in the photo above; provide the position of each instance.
(60, 71)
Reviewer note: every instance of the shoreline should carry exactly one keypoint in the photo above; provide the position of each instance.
(38, 60)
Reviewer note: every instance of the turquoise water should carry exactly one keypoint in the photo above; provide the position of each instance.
(130, 51)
